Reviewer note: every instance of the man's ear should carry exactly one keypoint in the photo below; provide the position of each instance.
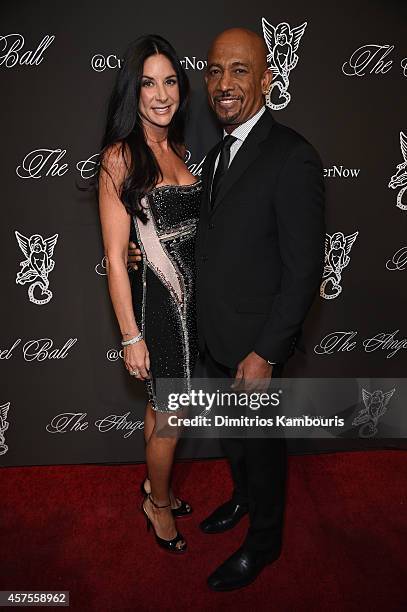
(266, 80)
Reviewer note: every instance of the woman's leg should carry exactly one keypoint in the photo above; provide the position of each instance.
(149, 422)
(149, 425)
(159, 457)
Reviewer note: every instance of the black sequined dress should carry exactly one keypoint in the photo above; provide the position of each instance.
(164, 292)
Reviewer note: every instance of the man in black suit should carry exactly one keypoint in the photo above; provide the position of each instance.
(263, 196)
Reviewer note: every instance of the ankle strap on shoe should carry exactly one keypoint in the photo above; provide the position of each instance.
(156, 505)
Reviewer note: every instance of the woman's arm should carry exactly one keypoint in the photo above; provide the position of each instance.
(115, 222)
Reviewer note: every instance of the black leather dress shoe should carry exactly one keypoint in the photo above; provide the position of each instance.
(239, 570)
(223, 518)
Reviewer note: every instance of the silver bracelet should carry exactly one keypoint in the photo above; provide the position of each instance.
(133, 340)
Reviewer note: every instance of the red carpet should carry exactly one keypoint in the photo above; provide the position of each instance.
(79, 528)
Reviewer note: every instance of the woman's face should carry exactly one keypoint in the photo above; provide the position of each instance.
(159, 92)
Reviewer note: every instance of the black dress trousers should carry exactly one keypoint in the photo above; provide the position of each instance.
(259, 470)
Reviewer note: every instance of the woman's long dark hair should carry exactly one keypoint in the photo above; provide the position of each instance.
(124, 126)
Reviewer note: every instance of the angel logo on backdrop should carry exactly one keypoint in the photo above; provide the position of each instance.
(282, 42)
(37, 265)
(375, 407)
(399, 179)
(337, 249)
(3, 427)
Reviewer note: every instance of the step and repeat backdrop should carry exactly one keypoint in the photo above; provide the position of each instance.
(341, 80)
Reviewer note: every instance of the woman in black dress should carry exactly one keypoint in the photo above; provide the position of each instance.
(145, 188)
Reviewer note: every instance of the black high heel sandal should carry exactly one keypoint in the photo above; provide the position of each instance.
(170, 545)
(183, 510)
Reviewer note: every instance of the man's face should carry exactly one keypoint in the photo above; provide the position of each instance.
(236, 78)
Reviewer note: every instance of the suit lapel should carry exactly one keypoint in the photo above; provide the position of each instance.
(246, 155)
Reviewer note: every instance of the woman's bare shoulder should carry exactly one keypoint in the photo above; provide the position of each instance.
(117, 157)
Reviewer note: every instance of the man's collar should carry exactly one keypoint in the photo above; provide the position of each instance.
(242, 130)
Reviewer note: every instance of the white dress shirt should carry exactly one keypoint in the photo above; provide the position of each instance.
(240, 133)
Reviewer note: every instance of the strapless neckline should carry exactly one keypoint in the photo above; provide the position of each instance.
(169, 186)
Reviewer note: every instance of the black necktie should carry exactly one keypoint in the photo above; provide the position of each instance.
(223, 165)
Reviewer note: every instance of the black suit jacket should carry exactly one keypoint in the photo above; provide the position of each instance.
(260, 251)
